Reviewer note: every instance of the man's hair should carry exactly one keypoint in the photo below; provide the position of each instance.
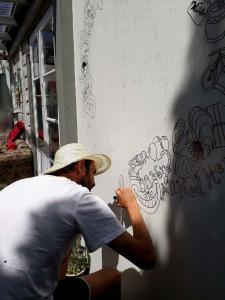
(70, 168)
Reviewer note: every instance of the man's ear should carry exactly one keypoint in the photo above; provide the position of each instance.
(81, 167)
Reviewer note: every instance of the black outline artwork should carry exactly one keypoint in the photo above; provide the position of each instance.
(153, 173)
(214, 13)
(198, 11)
(88, 99)
(148, 170)
(211, 77)
(215, 25)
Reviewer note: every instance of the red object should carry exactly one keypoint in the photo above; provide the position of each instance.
(15, 134)
(41, 134)
(16, 131)
(11, 145)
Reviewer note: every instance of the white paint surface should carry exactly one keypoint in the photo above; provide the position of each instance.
(144, 62)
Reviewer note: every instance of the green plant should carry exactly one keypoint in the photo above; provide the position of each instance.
(79, 261)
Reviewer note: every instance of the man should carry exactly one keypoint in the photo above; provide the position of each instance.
(41, 217)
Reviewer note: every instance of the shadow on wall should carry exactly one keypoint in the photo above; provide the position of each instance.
(195, 267)
(5, 105)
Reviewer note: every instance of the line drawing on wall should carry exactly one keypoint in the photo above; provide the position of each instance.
(215, 25)
(148, 170)
(88, 99)
(198, 11)
(213, 77)
(214, 13)
(192, 171)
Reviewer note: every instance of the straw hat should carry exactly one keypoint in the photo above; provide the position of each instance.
(74, 152)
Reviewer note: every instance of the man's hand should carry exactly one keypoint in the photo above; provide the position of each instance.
(137, 248)
(125, 197)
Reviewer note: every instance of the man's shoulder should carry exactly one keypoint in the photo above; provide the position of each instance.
(60, 183)
(48, 182)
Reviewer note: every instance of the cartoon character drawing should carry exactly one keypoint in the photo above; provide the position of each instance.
(148, 171)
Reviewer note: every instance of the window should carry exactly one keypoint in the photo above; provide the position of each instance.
(42, 48)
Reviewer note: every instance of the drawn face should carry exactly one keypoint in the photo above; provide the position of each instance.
(149, 172)
(148, 184)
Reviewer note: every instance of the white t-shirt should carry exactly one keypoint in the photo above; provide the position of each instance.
(39, 218)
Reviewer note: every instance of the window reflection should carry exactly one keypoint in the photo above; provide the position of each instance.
(35, 57)
(48, 48)
(53, 139)
(51, 100)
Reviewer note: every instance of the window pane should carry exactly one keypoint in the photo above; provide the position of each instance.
(48, 48)
(39, 114)
(53, 139)
(34, 46)
(51, 100)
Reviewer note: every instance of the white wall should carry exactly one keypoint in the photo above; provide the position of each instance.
(145, 97)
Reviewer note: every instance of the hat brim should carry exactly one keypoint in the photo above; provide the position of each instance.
(102, 164)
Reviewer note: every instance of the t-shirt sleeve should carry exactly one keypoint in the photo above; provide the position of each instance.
(97, 223)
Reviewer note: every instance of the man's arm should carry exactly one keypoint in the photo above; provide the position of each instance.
(139, 247)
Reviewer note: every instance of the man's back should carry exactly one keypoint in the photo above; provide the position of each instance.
(37, 214)
(42, 216)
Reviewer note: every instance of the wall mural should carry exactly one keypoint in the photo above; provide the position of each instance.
(153, 173)
(213, 13)
(213, 76)
(88, 99)
(193, 170)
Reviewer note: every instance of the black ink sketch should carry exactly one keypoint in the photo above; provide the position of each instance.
(153, 174)
(88, 99)
(198, 11)
(148, 170)
(213, 76)
(206, 132)
(215, 25)
(214, 13)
